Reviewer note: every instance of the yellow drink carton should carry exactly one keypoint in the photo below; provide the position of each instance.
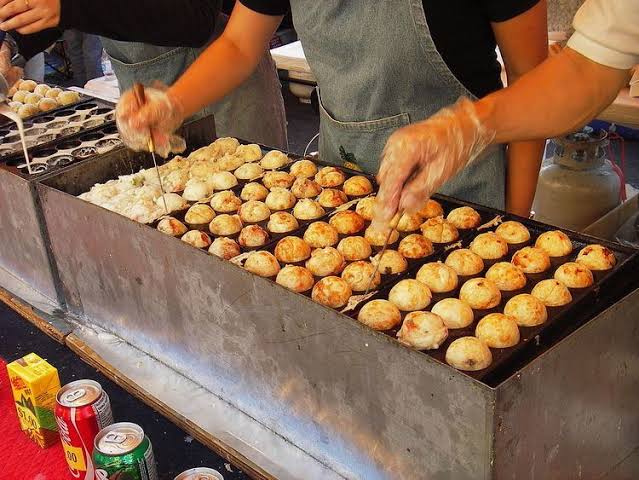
(35, 384)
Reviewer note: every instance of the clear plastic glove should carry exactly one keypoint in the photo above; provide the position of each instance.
(160, 116)
(419, 158)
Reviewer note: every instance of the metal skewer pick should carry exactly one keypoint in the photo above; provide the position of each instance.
(392, 227)
(138, 91)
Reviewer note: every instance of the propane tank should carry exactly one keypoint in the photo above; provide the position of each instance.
(578, 186)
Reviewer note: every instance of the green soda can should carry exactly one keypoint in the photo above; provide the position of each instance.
(123, 452)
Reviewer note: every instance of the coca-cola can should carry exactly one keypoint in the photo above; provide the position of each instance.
(82, 410)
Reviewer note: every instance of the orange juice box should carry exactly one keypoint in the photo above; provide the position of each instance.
(35, 384)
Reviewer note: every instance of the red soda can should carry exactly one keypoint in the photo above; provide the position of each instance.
(82, 410)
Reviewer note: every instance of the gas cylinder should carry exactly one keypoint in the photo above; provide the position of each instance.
(578, 185)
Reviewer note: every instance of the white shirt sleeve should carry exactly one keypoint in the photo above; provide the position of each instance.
(607, 32)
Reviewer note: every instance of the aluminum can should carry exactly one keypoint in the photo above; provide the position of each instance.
(123, 451)
(200, 473)
(82, 410)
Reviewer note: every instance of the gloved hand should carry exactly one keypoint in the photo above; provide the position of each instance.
(160, 116)
(419, 158)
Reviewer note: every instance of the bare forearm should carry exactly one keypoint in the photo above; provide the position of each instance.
(559, 96)
(524, 161)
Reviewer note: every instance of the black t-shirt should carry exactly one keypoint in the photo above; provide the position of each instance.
(464, 39)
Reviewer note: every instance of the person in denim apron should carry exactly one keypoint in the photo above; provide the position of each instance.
(377, 68)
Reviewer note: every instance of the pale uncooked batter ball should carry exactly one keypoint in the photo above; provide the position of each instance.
(380, 315)
(480, 294)
(454, 313)
(423, 331)
(528, 311)
(498, 331)
(410, 295)
(468, 354)
(439, 277)
(222, 181)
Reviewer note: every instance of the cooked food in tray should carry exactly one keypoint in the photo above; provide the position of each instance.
(29, 98)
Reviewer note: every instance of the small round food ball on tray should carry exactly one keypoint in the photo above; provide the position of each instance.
(357, 186)
(282, 222)
(199, 214)
(307, 209)
(489, 246)
(377, 237)
(552, 293)
(454, 313)
(172, 226)
(410, 295)
(263, 264)
(366, 208)
(254, 212)
(332, 198)
(330, 177)
(480, 294)
(355, 248)
(506, 276)
(225, 225)
(438, 230)
(347, 222)
(358, 275)
(303, 169)
(597, 257)
(197, 239)
(574, 275)
(438, 277)
(555, 243)
(332, 292)
(320, 235)
(465, 262)
(380, 315)
(415, 246)
(296, 279)
(253, 236)
(280, 199)
(273, 180)
(254, 191)
(225, 202)
(498, 331)
(274, 160)
(469, 354)
(513, 232)
(249, 171)
(390, 263)
(531, 260)
(431, 209)
(423, 331)
(325, 262)
(292, 250)
(306, 188)
(528, 311)
(464, 218)
(224, 248)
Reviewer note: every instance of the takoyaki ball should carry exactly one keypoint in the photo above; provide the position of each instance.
(68, 97)
(423, 331)
(320, 235)
(498, 331)
(203, 169)
(468, 354)
(47, 104)
(305, 188)
(172, 226)
(254, 212)
(439, 277)
(253, 236)
(528, 311)
(296, 279)
(282, 222)
(172, 201)
(225, 202)
(263, 264)
(226, 145)
(27, 85)
(506, 276)
(574, 275)
(249, 153)
(307, 209)
(480, 294)
(355, 248)
(53, 92)
(465, 262)
(303, 169)
(464, 218)
(513, 232)
(332, 292)
(41, 89)
(292, 250)
(280, 199)
(32, 99)
(380, 315)
(325, 261)
(410, 295)
(596, 257)
(489, 246)
(531, 260)
(357, 186)
(555, 243)
(332, 198)
(552, 293)
(359, 275)
(409, 222)
(366, 208)
(224, 248)
(347, 222)
(415, 246)
(222, 181)
(229, 162)
(438, 230)
(431, 209)
(19, 96)
(274, 160)
(454, 313)
(195, 190)
(197, 239)
(199, 214)
(26, 111)
(249, 171)
(390, 263)
(377, 237)
(254, 191)
(330, 177)
(273, 180)
(225, 225)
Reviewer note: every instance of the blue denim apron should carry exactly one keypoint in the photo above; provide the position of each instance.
(254, 111)
(377, 69)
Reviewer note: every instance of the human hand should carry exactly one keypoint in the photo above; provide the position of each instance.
(419, 158)
(10, 73)
(29, 16)
(159, 117)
